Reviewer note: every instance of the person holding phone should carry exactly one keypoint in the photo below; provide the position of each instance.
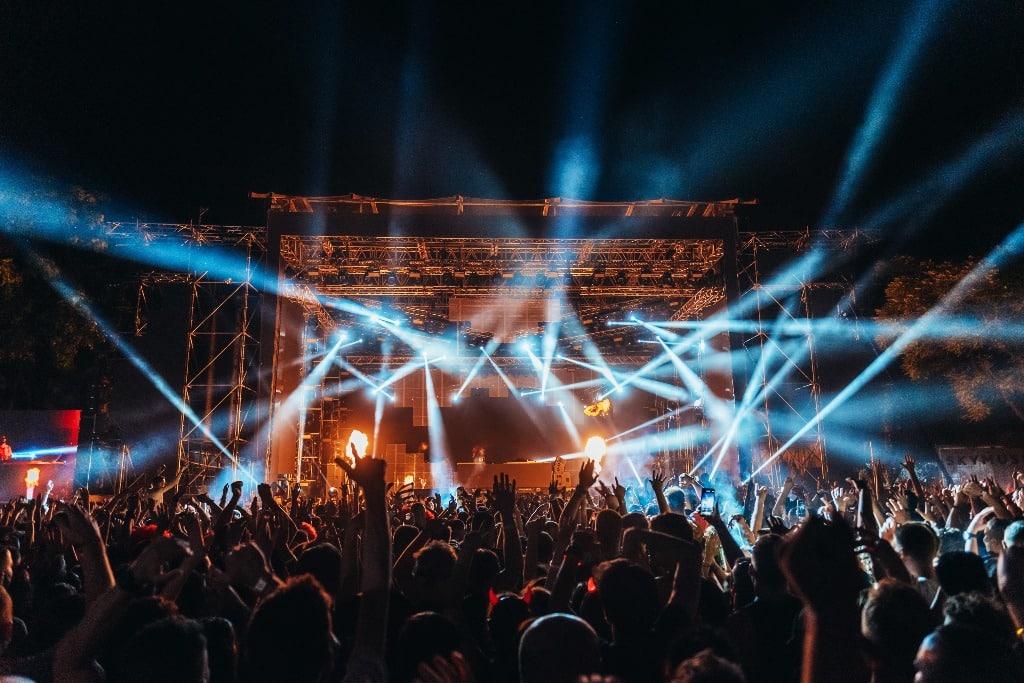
(708, 502)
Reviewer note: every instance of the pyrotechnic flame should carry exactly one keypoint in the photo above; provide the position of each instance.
(595, 450)
(360, 440)
(31, 481)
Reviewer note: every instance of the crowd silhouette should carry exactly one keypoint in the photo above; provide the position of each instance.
(875, 578)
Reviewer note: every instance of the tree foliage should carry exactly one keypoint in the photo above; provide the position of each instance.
(976, 342)
(49, 352)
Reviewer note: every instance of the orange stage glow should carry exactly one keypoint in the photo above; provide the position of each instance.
(595, 450)
(31, 481)
(360, 441)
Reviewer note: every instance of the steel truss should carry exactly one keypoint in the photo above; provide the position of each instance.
(405, 266)
(793, 368)
(221, 365)
(419, 275)
(599, 280)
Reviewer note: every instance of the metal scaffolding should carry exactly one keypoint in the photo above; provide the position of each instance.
(781, 348)
(600, 281)
(221, 383)
(221, 375)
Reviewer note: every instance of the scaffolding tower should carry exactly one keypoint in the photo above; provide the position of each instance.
(780, 344)
(221, 372)
(219, 406)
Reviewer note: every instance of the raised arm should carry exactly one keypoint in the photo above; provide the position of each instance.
(504, 492)
(657, 482)
(780, 503)
(79, 528)
(224, 516)
(75, 654)
(371, 628)
(566, 521)
(758, 518)
(911, 466)
(732, 550)
(822, 570)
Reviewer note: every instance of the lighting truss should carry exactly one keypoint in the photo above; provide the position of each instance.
(798, 366)
(403, 266)
(222, 348)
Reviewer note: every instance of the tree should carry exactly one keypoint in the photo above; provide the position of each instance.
(50, 353)
(975, 345)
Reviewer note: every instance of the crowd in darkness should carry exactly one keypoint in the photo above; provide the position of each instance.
(875, 578)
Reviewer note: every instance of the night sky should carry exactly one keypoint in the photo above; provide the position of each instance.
(912, 114)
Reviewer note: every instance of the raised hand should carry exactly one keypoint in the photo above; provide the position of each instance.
(830, 510)
(993, 488)
(898, 506)
(504, 493)
(367, 472)
(843, 498)
(973, 487)
(193, 527)
(587, 476)
(553, 486)
(909, 462)
(77, 526)
(777, 527)
(657, 480)
(929, 512)
(620, 490)
(148, 567)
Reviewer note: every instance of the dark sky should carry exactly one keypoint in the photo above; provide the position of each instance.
(167, 107)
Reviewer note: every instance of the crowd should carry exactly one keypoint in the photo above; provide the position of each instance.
(871, 579)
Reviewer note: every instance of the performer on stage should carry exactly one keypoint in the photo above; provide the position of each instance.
(6, 452)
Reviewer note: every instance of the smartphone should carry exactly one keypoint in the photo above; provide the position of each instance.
(801, 508)
(707, 501)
